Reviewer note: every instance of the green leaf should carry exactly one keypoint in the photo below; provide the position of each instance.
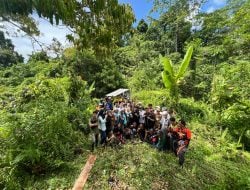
(224, 134)
(167, 64)
(185, 62)
(166, 80)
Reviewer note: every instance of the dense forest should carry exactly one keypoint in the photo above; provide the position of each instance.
(46, 103)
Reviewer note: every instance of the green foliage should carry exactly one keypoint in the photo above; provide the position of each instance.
(8, 56)
(159, 97)
(40, 125)
(145, 77)
(170, 78)
(45, 105)
(39, 56)
(97, 30)
(198, 83)
(237, 40)
(142, 26)
(103, 73)
(236, 118)
(230, 85)
(188, 109)
(185, 63)
(173, 26)
(230, 97)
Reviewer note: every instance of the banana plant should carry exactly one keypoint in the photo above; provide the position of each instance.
(170, 78)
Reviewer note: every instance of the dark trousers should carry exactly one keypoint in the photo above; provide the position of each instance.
(181, 156)
(175, 145)
(103, 136)
(95, 141)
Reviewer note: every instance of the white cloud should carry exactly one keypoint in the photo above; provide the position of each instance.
(210, 9)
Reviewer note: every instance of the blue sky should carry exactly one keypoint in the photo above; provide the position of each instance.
(143, 7)
(140, 7)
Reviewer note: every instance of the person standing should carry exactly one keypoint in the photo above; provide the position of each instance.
(102, 125)
(141, 115)
(149, 122)
(109, 122)
(93, 123)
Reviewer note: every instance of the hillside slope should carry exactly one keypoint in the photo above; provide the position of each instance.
(211, 163)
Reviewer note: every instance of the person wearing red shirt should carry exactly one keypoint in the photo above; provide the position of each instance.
(183, 137)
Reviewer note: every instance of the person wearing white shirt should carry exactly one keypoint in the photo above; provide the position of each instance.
(102, 125)
(141, 116)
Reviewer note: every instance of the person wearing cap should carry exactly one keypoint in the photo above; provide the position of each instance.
(109, 104)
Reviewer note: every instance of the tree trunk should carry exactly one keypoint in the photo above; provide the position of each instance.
(176, 38)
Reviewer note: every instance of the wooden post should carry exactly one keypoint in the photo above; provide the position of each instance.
(80, 182)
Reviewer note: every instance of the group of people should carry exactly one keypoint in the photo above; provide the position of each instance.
(116, 122)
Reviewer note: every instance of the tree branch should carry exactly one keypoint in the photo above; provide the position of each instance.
(23, 29)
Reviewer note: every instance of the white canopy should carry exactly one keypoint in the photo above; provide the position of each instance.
(121, 91)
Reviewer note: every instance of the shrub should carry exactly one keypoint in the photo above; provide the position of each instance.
(236, 118)
(38, 135)
(189, 109)
(157, 97)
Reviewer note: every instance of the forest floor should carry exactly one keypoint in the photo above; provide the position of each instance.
(211, 163)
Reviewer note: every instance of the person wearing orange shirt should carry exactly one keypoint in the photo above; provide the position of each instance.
(182, 139)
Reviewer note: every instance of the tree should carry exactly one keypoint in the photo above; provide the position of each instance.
(175, 22)
(230, 97)
(237, 39)
(142, 26)
(103, 73)
(39, 56)
(172, 79)
(214, 27)
(55, 48)
(8, 56)
(94, 22)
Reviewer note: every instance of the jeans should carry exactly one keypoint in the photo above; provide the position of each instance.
(103, 136)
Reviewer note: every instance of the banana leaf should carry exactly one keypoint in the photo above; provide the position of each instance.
(185, 63)
(167, 79)
(167, 65)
